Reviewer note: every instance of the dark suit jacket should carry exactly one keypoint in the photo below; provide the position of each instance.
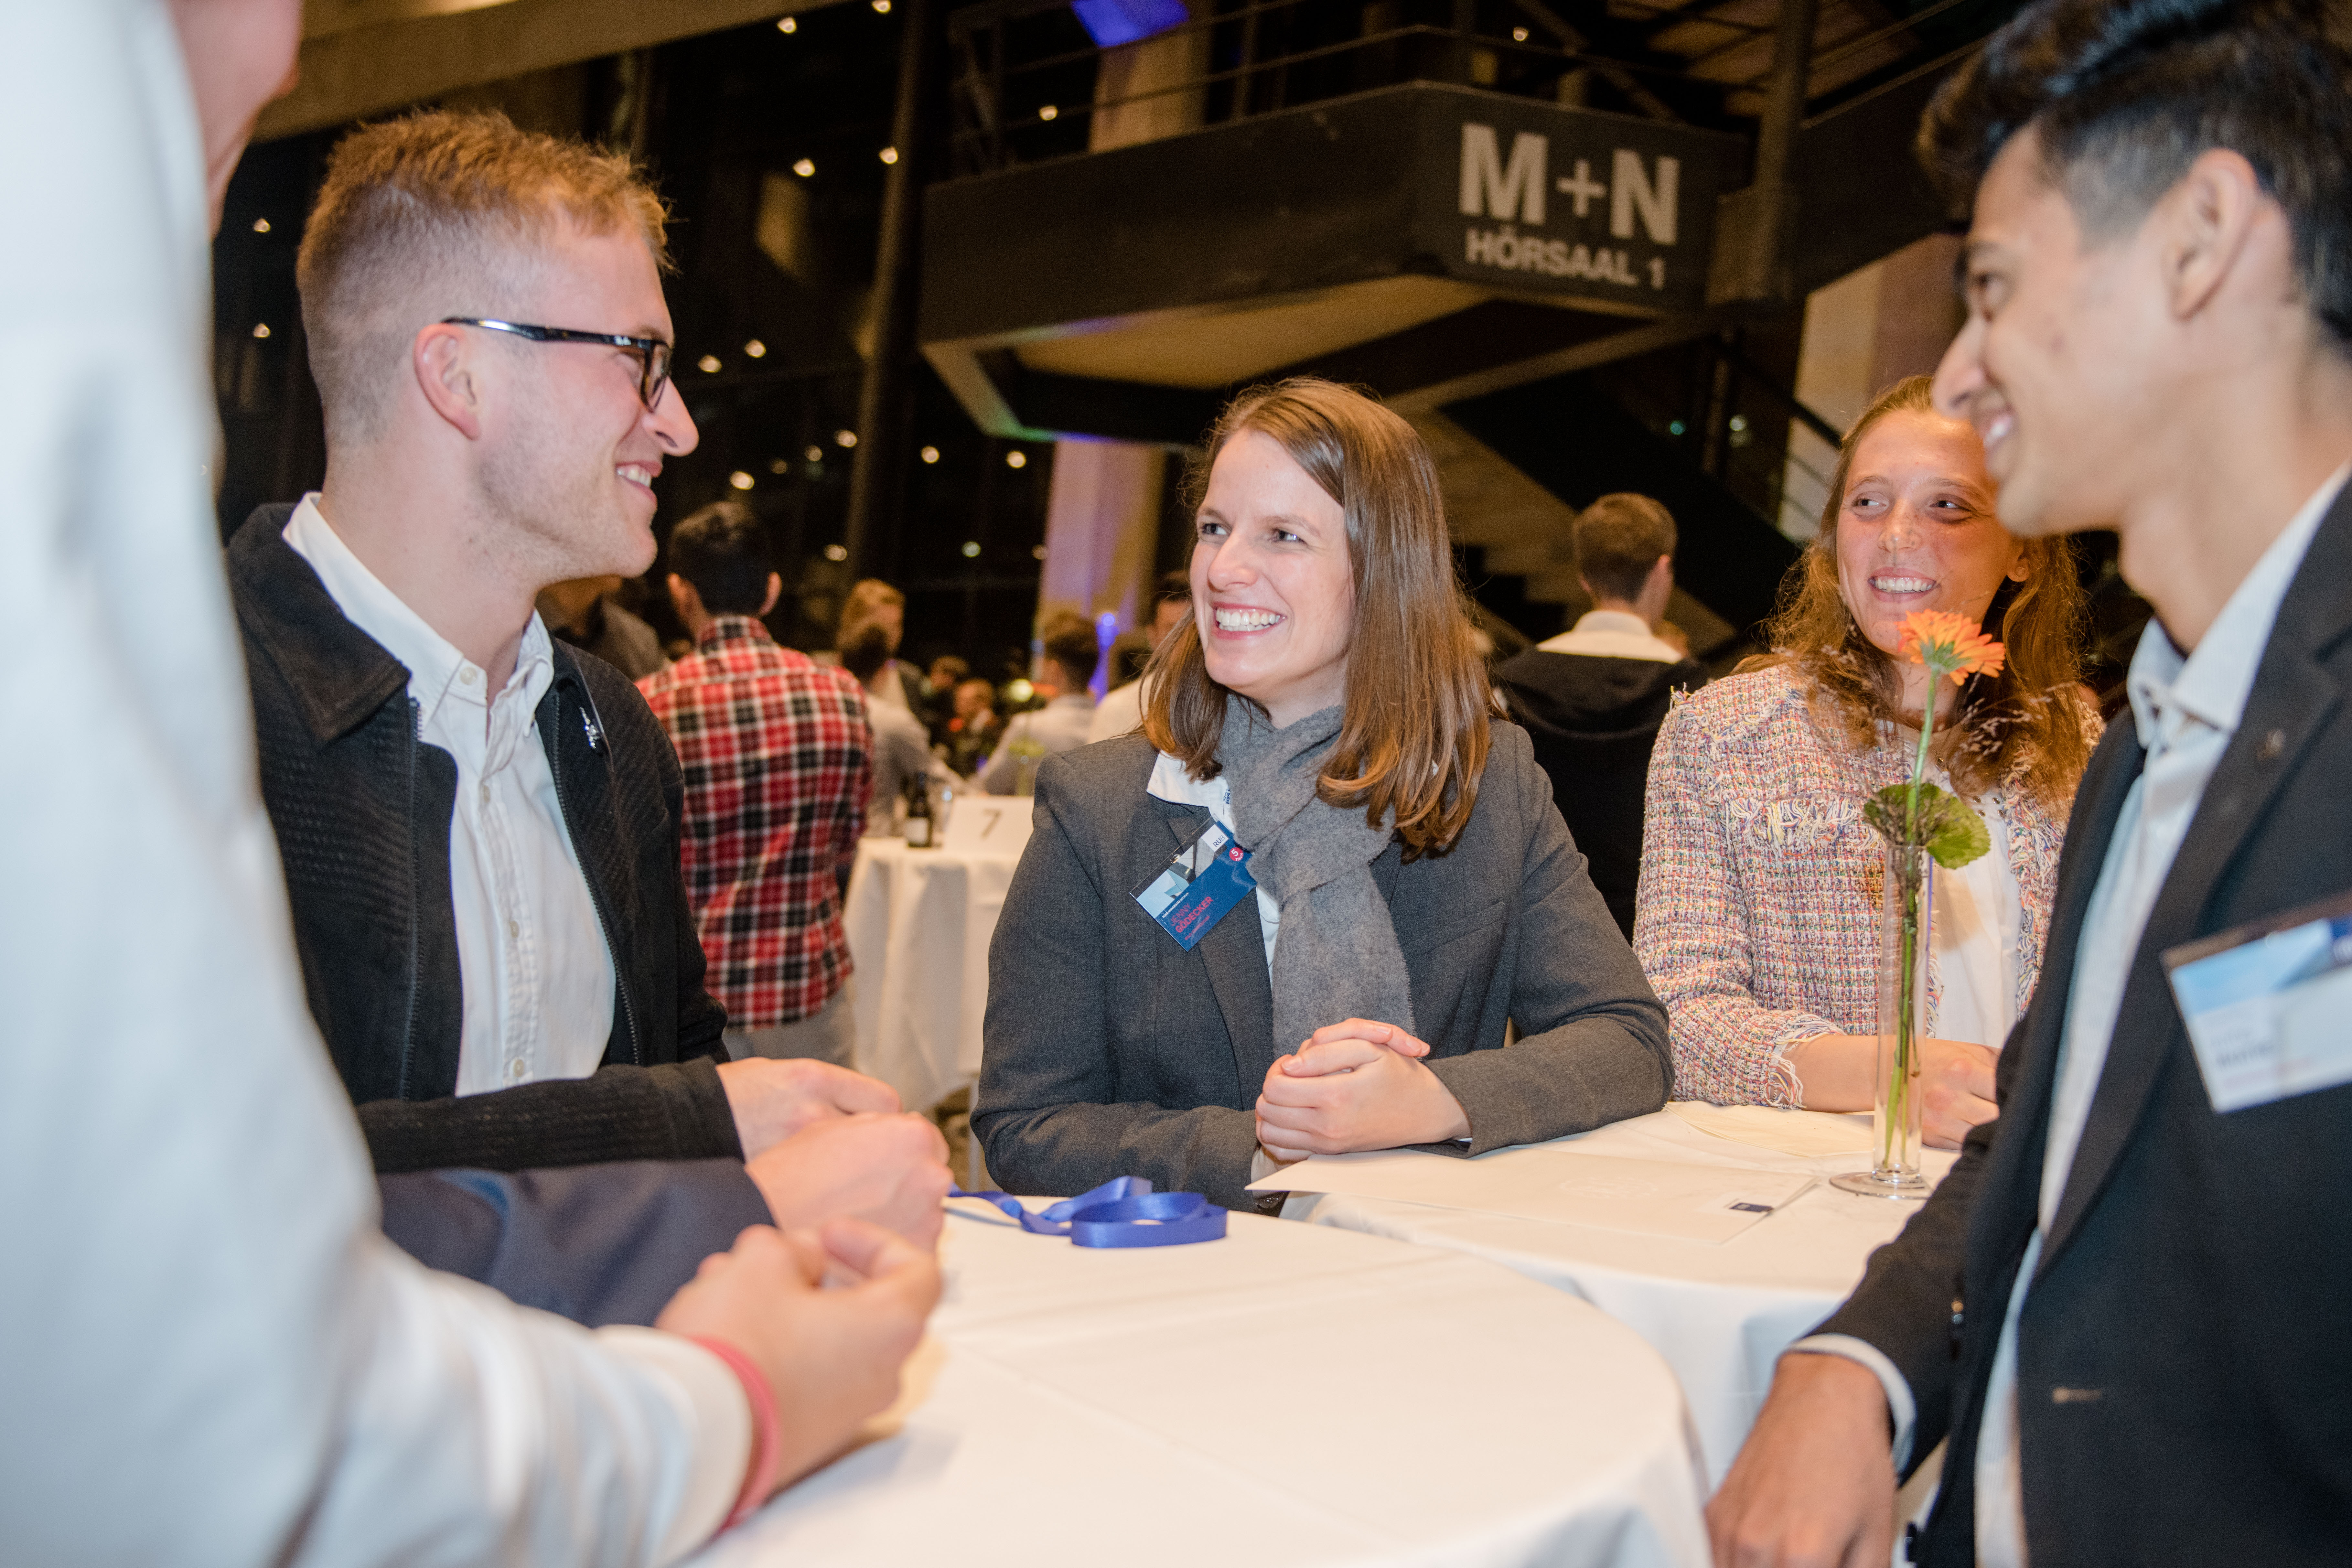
(596, 1244)
(362, 808)
(1110, 1051)
(2184, 1372)
(1593, 722)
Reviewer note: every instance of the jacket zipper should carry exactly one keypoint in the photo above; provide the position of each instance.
(596, 898)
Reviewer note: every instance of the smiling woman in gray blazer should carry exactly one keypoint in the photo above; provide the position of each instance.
(1415, 888)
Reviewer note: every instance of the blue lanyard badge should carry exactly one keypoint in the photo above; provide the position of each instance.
(1207, 877)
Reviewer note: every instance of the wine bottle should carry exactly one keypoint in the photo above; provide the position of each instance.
(918, 813)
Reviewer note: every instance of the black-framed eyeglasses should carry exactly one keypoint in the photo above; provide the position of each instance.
(652, 352)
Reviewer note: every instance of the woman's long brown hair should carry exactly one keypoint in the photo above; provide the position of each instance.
(2027, 725)
(1412, 735)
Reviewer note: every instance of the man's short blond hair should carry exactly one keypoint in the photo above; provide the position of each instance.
(1618, 539)
(435, 215)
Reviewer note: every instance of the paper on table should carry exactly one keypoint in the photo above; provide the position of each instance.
(1809, 1134)
(1710, 1203)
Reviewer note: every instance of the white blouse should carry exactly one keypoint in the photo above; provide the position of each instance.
(1976, 917)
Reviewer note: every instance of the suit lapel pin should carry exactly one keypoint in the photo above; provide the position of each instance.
(2273, 746)
(595, 735)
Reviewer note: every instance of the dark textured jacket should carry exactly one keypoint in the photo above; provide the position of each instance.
(1594, 721)
(2184, 1378)
(362, 807)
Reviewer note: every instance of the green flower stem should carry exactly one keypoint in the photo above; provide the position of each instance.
(1899, 1090)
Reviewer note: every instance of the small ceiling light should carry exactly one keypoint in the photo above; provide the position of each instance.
(780, 467)
(971, 550)
(930, 454)
(261, 225)
(1016, 459)
(739, 480)
(260, 329)
(881, 8)
(1518, 34)
(707, 364)
(815, 453)
(755, 349)
(788, 25)
(1739, 422)
(1036, 552)
(804, 167)
(889, 154)
(1677, 429)
(844, 437)
(837, 553)
(1019, 690)
(1048, 112)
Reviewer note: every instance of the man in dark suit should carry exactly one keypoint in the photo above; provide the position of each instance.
(2125, 1307)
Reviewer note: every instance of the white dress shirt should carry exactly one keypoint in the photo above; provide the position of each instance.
(1059, 726)
(213, 1355)
(2184, 711)
(1119, 714)
(1612, 634)
(536, 973)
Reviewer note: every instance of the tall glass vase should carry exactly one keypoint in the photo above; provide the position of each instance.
(1906, 918)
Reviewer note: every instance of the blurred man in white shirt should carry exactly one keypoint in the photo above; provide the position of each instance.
(213, 1355)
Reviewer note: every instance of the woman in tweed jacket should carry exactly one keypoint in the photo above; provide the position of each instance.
(1759, 893)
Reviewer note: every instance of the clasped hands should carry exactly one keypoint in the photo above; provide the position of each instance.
(1357, 1084)
(821, 1142)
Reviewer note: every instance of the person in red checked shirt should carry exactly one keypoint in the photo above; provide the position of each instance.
(778, 753)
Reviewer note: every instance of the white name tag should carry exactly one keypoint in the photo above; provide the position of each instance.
(2269, 1006)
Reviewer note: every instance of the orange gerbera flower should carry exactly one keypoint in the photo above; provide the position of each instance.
(1948, 644)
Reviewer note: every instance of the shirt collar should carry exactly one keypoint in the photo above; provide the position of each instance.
(1613, 621)
(731, 628)
(1172, 783)
(436, 670)
(2210, 685)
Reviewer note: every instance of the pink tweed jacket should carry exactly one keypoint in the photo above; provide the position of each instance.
(1758, 913)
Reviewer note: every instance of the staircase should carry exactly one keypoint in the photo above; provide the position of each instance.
(1501, 216)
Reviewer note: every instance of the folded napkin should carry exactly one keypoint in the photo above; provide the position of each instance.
(1809, 1134)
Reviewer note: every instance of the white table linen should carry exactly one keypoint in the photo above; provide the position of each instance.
(918, 924)
(1719, 1314)
(1287, 1394)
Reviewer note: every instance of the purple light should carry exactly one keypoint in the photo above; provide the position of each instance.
(1113, 22)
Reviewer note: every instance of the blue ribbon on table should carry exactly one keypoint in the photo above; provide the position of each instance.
(1122, 1212)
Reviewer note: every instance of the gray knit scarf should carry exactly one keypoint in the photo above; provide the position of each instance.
(1336, 955)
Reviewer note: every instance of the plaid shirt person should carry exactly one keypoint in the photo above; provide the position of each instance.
(778, 759)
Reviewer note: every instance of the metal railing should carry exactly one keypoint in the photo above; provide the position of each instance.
(1022, 90)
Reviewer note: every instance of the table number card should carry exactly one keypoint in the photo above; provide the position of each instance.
(989, 825)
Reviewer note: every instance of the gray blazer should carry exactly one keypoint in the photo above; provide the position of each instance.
(1110, 1051)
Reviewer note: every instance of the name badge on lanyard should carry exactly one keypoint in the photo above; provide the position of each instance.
(1208, 877)
(2266, 1005)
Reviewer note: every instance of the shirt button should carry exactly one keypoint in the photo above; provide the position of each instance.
(485, 794)
(515, 1071)
(465, 674)
(514, 931)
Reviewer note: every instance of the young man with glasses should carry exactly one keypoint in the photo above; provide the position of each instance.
(479, 825)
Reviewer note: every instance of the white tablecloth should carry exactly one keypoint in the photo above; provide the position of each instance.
(919, 922)
(1720, 1315)
(1285, 1396)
